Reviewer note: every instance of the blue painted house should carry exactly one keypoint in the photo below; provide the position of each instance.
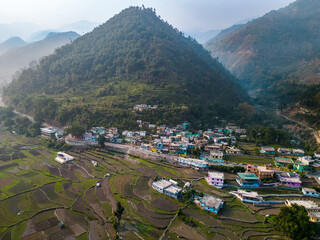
(248, 180)
(210, 203)
(159, 146)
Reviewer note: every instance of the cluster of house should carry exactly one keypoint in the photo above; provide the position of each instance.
(254, 176)
(302, 164)
(63, 158)
(111, 134)
(143, 124)
(133, 136)
(281, 151)
(171, 188)
(178, 141)
(312, 208)
(142, 107)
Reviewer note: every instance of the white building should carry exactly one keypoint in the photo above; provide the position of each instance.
(307, 204)
(247, 196)
(167, 187)
(161, 185)
(63, 158)
(310, 192)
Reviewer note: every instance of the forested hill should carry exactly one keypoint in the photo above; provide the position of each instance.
(134, 58)
(282, 45)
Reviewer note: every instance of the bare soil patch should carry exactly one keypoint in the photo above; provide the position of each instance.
(187, 232)
(21, 187)
(165, 204)
(43, 225)
(81, 206)
(67, 189)
(77, 223)
(44, 152)
(270, 211)
(17, 155)
(34, 152)
(204, 218)
(29, 174)
(65, 234)
(5, 158)
(35, 236)
(67, 171)
(40, 197)
(146, 171)
(96, 207)
(156, 219)
(49, 189)
(5, 182)
(128, 192)
(3, 167)
(107, 191)
(251, 233)
(100, 194)
(13, 205)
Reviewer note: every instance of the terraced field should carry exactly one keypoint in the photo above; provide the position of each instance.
(36, 193)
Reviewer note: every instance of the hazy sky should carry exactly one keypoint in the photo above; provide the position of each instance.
(186, 15)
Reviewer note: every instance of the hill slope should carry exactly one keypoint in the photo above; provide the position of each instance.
(133, 58)
(282, 45)
(13, 42)
(18, 58)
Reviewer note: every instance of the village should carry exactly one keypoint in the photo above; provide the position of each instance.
(209, 152)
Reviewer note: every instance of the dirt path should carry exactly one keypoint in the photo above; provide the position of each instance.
(107, 191)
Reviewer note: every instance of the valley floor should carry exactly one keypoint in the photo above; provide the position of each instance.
(37, 193)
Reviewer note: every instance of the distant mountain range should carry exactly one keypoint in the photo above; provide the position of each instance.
(32, 32)
(18, 54)
(13, 42)
(22, 30)
(281, 46)
(133, 58)
(202, 37)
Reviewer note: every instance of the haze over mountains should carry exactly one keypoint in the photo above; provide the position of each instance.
(133, 58)
(13, 42)
(281, 46)
(31, 32)
(17, 54)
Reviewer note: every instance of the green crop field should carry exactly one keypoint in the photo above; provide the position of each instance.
(248, 159)
(37, 192)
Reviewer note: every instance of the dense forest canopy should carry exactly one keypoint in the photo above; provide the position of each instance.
(134, 58)
(280, 46)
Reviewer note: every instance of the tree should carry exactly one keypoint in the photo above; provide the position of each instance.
(118, 212)
(8, 123)
(294, 222)
(101, 141)
(76, 130)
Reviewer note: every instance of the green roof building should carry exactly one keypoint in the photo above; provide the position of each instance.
(248, 180)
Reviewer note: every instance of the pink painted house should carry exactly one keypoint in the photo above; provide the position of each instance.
(289, 179)
(215, 179)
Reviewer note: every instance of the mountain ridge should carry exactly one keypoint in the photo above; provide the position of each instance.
(281, 45)
(131, 59)
(18, 58)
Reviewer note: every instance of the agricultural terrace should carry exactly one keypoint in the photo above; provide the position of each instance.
(37, 193)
